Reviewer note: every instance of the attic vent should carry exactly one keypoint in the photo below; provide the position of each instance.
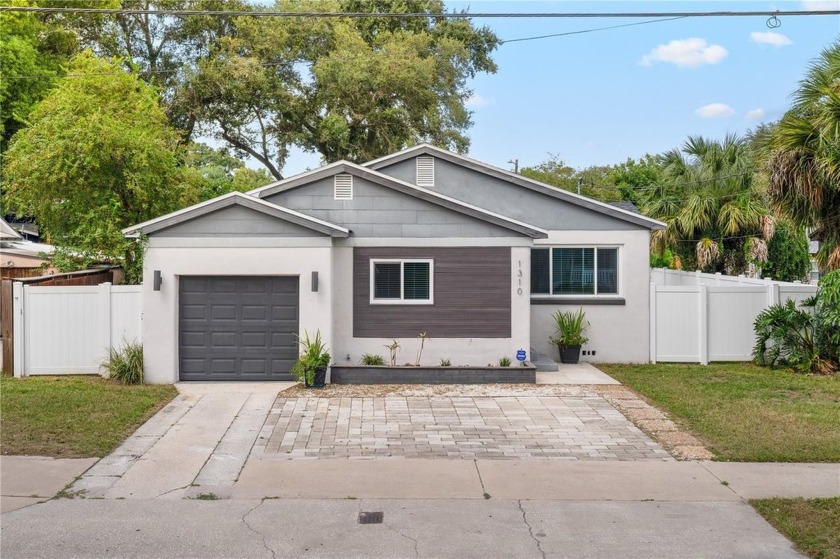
(425, 171)
(343, 187)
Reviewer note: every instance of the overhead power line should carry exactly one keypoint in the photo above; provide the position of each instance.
(413, 15)
(592, 30)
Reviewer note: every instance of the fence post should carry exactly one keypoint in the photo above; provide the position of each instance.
(652, 307)
(772, 294)
(7, 323)
(704, 325)
(18, 321)
(105, 314)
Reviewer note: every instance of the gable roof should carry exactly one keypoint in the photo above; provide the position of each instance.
(239, 199)
(7, 233)
(519, 180)
(401, 186)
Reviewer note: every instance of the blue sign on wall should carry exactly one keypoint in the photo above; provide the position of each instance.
(521, 355)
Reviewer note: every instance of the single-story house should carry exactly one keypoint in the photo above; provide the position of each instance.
(423, 240)
(21, 257)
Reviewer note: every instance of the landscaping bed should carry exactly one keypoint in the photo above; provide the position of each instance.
(743, 412)
(813, 525)
(368, 374)
(73, 416)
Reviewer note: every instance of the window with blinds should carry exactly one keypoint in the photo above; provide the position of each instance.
(425, 171)
(401, 281)
(343, 187)
(574, 271)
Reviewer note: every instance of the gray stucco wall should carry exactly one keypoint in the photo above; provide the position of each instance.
(509, 199)
(471, 295)
(236, 221)
(377, 211)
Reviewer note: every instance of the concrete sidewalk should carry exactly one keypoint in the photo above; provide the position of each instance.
(26, 480)
(397, 478)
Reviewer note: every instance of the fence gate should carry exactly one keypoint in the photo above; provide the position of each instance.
(68, 329)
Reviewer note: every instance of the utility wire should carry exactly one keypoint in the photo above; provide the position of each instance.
(412, 15)
(582, 31)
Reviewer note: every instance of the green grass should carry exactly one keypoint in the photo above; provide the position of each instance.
(813, 525)
(73, 417)
(743, 412)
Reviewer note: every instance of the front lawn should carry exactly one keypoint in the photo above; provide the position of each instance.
(73, 417)
(813, 525)
(743, 412)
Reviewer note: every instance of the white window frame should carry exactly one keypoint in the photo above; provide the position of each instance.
(402, 300)
(619, 271)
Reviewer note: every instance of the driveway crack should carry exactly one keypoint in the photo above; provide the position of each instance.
(257, 532)
(416, 552)
(530, 530)
(168, 491)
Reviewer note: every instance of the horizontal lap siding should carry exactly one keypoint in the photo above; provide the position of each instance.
(471, 293)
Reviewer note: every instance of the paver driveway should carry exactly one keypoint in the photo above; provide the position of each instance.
(565, 423)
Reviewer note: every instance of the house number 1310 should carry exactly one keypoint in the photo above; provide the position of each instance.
(519, 278)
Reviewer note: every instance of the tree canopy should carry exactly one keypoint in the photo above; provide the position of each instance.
(716, 215)
(804, 156)
(598, 182)
(346, 88)
(97, 156)
(352, 89)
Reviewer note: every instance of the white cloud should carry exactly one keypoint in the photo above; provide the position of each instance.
(817, 5)
(477, 101)
(715, 110)
(755, 114)
(686, 53)
(770, 38)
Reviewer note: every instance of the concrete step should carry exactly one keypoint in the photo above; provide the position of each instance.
(542, 361)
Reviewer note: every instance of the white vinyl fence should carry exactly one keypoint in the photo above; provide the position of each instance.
(699, 318)
(68, 329)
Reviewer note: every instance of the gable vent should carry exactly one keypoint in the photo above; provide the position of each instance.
(343, 187)
(425, 171)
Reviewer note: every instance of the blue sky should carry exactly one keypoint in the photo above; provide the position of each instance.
(601, 97)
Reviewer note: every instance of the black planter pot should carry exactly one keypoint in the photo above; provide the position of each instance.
(320, 379)
(569, 354)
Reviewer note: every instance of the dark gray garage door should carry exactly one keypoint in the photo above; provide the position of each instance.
(238, 328)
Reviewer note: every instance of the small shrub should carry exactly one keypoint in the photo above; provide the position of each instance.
(445, 362)
(313, 354)
(125, 364)
(806, 339)
(393, 347)
(570, 328)
(374, 360)
(504, 361)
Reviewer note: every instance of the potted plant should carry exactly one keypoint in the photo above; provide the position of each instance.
(311, 366)
(569, 335)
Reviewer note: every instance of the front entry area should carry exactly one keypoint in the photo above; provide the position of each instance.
(237, 327)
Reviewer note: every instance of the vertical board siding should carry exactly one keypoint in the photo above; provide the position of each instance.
(472, 295)
(68, 329)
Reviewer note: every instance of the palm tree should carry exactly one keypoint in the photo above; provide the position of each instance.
(716, 214)
(804, 156)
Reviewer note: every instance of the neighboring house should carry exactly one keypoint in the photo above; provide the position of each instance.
(20, 257)
(423, 240)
